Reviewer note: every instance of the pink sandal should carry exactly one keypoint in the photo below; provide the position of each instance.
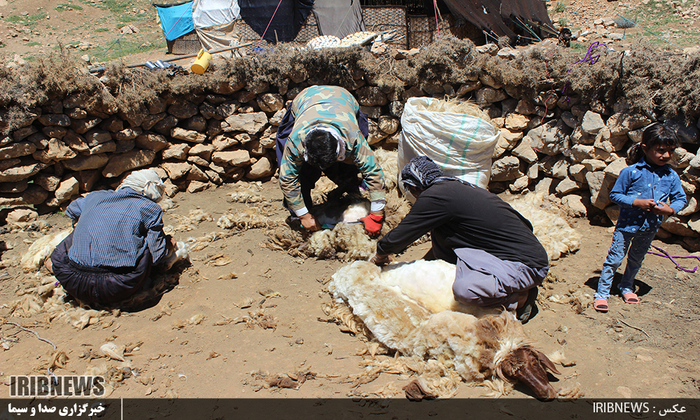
(600, 305)
(631, 298)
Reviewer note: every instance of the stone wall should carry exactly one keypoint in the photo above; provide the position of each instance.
(549, 141)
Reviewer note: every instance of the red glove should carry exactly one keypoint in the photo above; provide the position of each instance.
(373, 224)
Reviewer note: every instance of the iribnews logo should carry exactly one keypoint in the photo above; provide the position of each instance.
(54, 386)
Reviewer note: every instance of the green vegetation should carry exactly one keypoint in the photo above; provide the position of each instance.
(33, 43)
(563, 22)
(116, 6)
(560, 7)
(29, 20)
(102, 30)
(127, 19)
(65, 7)
(126, 46)
(655, 21)
(579, 47)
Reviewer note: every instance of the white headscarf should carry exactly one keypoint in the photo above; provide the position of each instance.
(146, 182)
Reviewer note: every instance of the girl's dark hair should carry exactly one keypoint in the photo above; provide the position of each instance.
(654, 134)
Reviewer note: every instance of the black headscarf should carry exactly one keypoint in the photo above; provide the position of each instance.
(421, 172)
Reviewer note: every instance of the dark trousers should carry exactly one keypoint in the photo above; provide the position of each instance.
(103, 285)
(343, 174)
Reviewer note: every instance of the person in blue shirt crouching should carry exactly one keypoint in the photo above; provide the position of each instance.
(117, 237)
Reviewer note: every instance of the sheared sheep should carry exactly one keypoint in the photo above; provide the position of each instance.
(410, 307)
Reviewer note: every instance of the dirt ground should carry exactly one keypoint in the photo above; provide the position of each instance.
(241, 315)
(233, 322)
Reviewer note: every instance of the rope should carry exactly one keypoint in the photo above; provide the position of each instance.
(268, 23)
(660, 37)
(673, 258)
(590, 58)
(526, 27)
(437, 23)
(110, 47)
(33, 332)
(55, 381)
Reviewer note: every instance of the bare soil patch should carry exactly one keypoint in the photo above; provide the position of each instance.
(242, 318)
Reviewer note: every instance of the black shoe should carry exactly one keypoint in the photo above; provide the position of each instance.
(529, 309)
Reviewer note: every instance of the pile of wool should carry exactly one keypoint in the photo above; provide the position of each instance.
(44, 296)
(433, 377)
(456, 106)
(41, 249)
(248, 192)
(397, 207)
(189, 222)
(201, 242)
(284, 238)
(345, 241)
(389, 162)
(320, 191)
(247, 218)
(342, 237)
(555, 234)
(409, 307)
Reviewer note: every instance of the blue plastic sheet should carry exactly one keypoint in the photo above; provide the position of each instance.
(176, 20)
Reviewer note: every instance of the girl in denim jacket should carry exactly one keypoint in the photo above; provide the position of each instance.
(646, 191)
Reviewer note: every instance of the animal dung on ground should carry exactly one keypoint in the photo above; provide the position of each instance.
(486, 346)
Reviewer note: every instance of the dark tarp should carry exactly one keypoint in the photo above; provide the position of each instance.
(501, 16)
(338, 17)
(288, 18)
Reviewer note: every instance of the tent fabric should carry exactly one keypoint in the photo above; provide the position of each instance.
(208, 13)
(220, 37)
(498, 15)
(287, 21)
(175, 20)
(338, 17)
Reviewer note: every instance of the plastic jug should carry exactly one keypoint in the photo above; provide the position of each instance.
(201, 64)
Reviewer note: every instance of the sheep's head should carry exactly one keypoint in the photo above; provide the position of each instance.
(529, 366)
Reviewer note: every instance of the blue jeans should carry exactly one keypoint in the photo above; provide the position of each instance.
(637, 244)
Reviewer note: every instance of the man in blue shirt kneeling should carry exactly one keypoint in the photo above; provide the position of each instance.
(117, 237)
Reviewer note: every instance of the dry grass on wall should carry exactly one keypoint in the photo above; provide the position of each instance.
(648, 79)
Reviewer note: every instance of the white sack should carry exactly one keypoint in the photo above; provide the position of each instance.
(461, 145)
